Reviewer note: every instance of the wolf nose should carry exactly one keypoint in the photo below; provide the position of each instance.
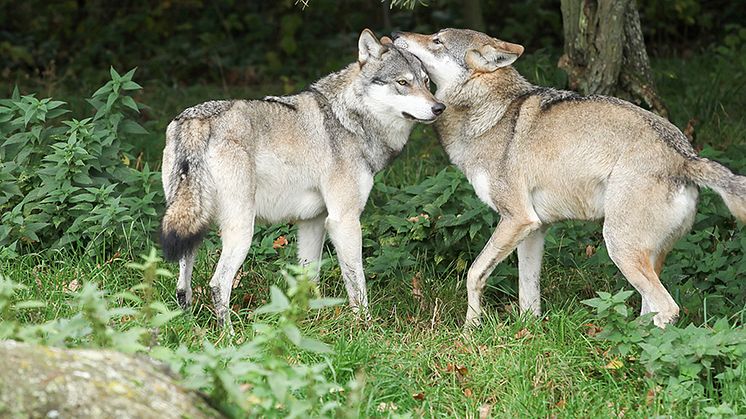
(438, 108)
(395, 34)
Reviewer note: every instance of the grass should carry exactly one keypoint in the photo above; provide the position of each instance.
(413, 355)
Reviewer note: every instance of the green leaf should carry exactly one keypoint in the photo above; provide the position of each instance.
(278, 303)
(128, 76)
(313, 345)
(29, 304)
(130, 103)
(114, 75)
(292, 333)
(106, 88)
(130, 85)
(319, 303)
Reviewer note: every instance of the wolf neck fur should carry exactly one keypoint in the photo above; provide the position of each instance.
(382, 137)
(477, 105)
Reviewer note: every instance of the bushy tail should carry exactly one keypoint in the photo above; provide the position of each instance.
(731, 187)
(188, 186)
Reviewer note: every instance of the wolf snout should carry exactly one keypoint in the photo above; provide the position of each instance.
(438, 108)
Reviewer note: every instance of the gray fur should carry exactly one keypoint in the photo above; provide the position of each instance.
(204, 110)
(307, 158)
(539, 155)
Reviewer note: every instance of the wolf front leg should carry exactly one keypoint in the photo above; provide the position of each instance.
(347, 237)
(530, 252)
(505, 238)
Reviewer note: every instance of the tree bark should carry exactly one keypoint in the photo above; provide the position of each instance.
(38, 381)
(473, 15)
(605, 51)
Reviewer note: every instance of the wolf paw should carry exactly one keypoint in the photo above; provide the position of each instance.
(184, 298)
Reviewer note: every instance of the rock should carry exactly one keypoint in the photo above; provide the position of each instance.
(44, 382)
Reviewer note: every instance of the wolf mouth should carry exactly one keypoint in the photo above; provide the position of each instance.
(413, 118)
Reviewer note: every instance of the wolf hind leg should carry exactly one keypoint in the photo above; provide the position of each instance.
(234, 175)
(236, 236)
(184, 284)
(644, 219)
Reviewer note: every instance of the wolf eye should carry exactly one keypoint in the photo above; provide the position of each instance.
(436, 41)
(402, 82)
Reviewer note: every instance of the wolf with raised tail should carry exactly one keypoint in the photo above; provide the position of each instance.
(538, 155)
(308, 158)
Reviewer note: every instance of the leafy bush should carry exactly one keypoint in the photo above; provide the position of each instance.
(255, 378)
(73, 182)
(692, 364)
(440, 216)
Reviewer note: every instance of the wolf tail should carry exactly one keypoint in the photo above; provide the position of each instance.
(188, 186)
(731, 187)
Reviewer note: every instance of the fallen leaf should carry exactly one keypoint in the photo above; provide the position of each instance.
(387, 407)
(689, 130)
(72, 286)
(116, 256)
(280, 242)
(560, 404)
(484, 410)
(650, 397)
(593, 330)
(614, 364)
(590, 250)
(523, 333)
(419, 396)
(237, 279)
(461, 347)
(417, 286)
(467, 392)
(462, 370)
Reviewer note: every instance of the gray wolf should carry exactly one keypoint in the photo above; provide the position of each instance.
(538, 155)
(308, 158)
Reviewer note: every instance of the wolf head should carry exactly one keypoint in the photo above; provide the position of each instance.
(394, 82)
(452, 56)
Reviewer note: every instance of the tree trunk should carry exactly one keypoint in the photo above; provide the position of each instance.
(473, 15)
(38, 381)
(386, 14)
(605, 52)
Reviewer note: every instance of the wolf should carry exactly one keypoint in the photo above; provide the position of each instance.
(538, 155)
(307, 158)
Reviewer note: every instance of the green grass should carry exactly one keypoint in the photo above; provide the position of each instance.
(413, 354)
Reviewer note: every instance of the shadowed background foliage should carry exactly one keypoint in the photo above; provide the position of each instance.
(258, 42)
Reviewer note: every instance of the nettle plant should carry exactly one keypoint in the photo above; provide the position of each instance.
(441, 216)
(72, 182)
(704, 365)
(260, 377)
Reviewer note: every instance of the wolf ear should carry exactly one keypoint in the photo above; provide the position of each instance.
(386, 41)
(491, 57)
(369, 47)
